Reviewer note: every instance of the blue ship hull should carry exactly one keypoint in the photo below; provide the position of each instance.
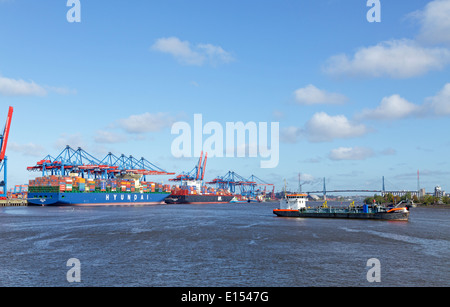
(95, 199)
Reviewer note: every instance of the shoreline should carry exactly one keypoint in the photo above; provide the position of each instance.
(443, 206)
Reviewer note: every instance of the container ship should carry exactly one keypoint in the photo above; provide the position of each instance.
(191, 191)
(70, 191)
(75, 177)
(294, 205)
(239, 199)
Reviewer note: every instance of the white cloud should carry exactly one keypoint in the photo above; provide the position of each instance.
(278, 115)
(388, 152)
(311, 95)
(435, 22)
(395, 107)
(351, 153)
(215, 54)
(146, 122)
(395, 59)
(187, 54)
(109, 137)
(12, 87)
(390, 108)
(290, 134)
(73, 140)
(29, 149)
(62, 90)
(180, 50)
(440, 104)
(324, 128)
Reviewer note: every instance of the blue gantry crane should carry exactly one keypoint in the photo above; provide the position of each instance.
(86, 165)
(235, 183)
(257, 184)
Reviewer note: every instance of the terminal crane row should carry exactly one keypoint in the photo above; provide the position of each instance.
(81, 162)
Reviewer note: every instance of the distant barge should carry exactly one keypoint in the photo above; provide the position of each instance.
(294, 205)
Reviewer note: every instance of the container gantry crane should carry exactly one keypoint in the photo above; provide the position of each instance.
(196, 174)
(230, 181)
(248, 187)
(255, 191)
(81, 162)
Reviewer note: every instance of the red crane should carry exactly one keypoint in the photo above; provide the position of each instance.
(197, 173)
(204, 166)
(3, 143)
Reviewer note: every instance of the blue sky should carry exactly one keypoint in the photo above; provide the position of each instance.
(355, 100)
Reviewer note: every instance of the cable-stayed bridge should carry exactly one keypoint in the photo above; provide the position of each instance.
(383, 191)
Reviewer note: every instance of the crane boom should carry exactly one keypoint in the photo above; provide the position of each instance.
(199, 165)
(204, 166)
(4, 137)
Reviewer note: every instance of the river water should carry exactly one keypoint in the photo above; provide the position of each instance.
(225, 245)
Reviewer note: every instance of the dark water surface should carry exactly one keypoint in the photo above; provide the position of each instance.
(218, 245)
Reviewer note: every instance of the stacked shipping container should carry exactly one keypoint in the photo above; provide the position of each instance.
(184, 190)
(76, 184)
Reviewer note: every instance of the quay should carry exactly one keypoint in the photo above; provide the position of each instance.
(17, 202)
